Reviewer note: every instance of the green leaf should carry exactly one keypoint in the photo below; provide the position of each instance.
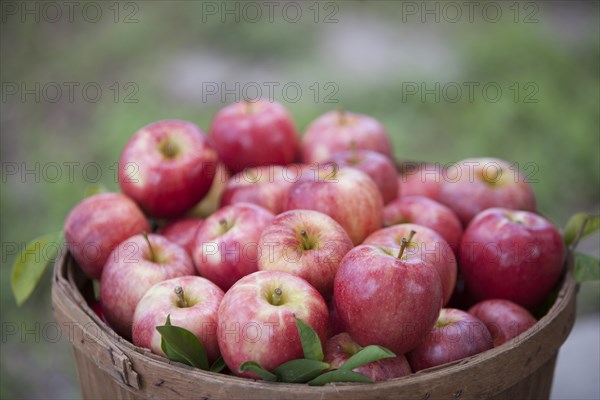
(253, 366)
(169, 352)
(218, 365)
(311, 344)
(31, 264)
(300, 371)
(576, 222)
(339, 375)
(587, 268)
(367, 355)
(95, 189)
(182, 345)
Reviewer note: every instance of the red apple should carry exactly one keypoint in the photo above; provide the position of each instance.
(226, 245)
(266, 186)
(210, 203)
(512, 255)
(426, 212)
(134, 267)
(256, 319)
(427, 245)
(419, 179)
(191, 302)
(305, 243)
(486, 183)
(387, 298)
(97, 225)
(340, 130)
(379, 168)
(346, 194)
(167, 167)
(456, 335)
(251, 134)
(182, 231)
(504, 319)
(341, 347)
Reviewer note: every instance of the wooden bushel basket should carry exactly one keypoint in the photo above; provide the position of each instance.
(110, 367)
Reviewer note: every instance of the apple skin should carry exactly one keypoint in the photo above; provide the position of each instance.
(129, 273)
(251, 328)
(423, 211)
(418, 179)
(225, 254)
(167, 185)
(337, 131)
(504, 319)
(467, 180)
(511, 255)
(379, 168)
(359, 212)
(387, 301)
(266, 186)
(200, 317)
(251, 134)
(210, 203)
(339, 348)
(430, 246)
(456, 335)
(282, 247)
(96, 225)
(182, 231)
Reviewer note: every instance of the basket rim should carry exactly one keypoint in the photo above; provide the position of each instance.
(65, 286)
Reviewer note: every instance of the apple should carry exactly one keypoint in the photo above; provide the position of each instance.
(379, 168)
(133, 267)
(96, 225)
(191, 302)
(426, 212)
(251, 134)
(266, 186)
(387, 297)
(511, 255)
(256, 319)
(210, 203)
(305, 243)
(456, 335)
(226, 245)
(425, 244)
(346, 194)
(340, 130)
(182, 231)
(504, 319)
(339, 348)
(420, 179)
(486, 183)
(167, 167)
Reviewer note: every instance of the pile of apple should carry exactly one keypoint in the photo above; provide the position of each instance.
(320, 228)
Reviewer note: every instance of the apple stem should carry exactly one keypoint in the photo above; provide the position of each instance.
(180, 298)
(402, 247)
(276, 297)
(305, 244)
(405, 243)
(342, 119)
(334, 171)
(248, 107)
(223, 223)
(150, 248)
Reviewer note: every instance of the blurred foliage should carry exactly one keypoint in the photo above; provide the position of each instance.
(371, 53)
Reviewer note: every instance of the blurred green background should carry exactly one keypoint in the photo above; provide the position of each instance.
(156, 59)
